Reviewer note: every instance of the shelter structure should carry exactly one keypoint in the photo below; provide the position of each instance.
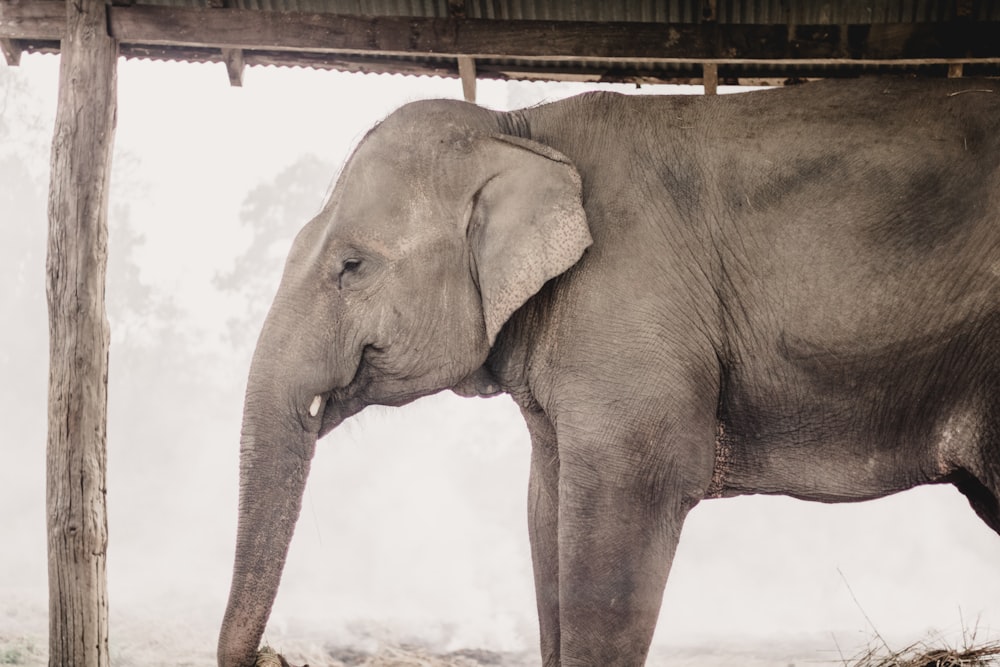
(708, 42)
(633, 41)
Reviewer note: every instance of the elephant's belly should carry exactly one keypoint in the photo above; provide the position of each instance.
(833, 469)
(852, 436)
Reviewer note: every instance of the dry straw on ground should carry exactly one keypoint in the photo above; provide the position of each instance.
(924, 654)
(921, 655)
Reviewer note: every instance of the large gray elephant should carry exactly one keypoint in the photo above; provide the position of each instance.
(788, 292)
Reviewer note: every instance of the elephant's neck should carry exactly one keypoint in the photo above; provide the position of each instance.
(522, 353)
(515, 124)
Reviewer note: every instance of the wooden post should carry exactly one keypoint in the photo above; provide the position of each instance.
(234, 65)
(78, 339)
(11, 52)
(467, 73)
(710, 78)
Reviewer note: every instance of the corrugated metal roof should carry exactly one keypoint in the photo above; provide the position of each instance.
(672, 41)
(798, 12)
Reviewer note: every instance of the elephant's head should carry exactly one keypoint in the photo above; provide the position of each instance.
(438, 229)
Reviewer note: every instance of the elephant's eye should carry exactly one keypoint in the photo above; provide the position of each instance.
(347, 270)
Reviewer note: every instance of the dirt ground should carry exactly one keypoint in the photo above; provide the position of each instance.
(138, 642)
(28, 651)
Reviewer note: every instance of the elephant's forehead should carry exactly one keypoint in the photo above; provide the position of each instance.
(386, 208)
(399, 181)
(384, 190)
(413, 158)
(402, 183)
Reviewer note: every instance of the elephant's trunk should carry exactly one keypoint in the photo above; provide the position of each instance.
(275, 454)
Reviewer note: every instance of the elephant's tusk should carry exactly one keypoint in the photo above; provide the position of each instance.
(314, 406)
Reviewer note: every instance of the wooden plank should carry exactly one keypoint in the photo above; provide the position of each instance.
(467, 73)
(451, 37)
(677, 71)
(588, 46)
(37, 20)
(550, 40)
(352, 63)
(11, 52)
(76, 454)
(667, 71)
(710, 78)
(234, 65)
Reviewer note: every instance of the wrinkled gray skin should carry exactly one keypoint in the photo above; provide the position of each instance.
(788, 292)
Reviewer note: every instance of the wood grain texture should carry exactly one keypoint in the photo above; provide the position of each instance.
(78, 339)
(32, 19)
(11, 52)
(570, 41)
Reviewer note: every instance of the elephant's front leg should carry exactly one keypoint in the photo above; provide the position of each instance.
(543, 527)
(622, 501)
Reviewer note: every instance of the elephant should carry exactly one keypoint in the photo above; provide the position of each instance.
(793, 291)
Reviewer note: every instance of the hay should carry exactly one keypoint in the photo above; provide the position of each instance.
(922, 655)
(268, 657)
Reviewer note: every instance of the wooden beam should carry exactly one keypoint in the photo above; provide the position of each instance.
(11, 52)
(467, 73)
(76, 454)
(446, 37)
(38, 20)
(710, 78)
(234, 65)
(680, 71)
(611, 51)
(548, 40)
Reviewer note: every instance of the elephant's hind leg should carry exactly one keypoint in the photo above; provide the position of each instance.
(977, 469)
(982, 499)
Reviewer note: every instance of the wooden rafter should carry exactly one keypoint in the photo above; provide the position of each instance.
(575, 41)
(234, 65)
(43, 20)
(467, 73)
(11, 51)
(710, 77)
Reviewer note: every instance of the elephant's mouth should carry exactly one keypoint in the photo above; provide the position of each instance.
(336, 411)
(382, 379)
(336, 405)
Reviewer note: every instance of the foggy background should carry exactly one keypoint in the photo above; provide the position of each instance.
(413, 526)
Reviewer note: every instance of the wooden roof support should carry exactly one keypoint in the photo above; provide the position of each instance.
(467, 73)
(11, 51)
(546, 49)
(234, 65)
(574, 41)
(42, 19)
(710, 78)
(76, 455)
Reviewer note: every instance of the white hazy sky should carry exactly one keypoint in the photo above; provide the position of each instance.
(435, 533)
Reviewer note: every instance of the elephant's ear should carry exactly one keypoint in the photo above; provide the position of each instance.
(527, 225)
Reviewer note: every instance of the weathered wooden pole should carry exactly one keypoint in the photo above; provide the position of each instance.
(78, 339)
